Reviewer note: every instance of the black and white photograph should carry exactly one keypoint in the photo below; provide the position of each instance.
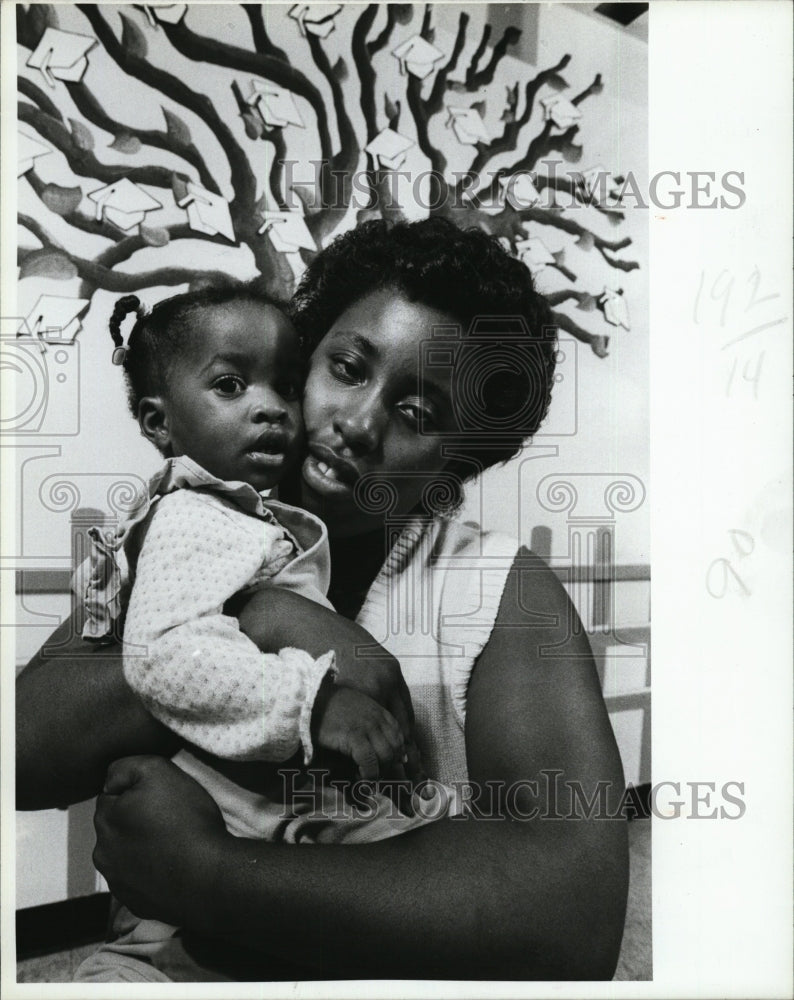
(470, 331)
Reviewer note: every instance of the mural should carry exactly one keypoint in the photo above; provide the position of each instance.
(279, 127)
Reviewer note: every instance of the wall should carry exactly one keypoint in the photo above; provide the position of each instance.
(599, 419)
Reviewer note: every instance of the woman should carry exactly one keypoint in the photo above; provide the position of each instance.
(399, 407)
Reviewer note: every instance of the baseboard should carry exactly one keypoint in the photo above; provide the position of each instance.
(70, 923)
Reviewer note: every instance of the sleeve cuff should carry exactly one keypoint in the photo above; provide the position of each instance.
(315, 675)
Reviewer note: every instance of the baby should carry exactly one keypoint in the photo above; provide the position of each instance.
(214, 380)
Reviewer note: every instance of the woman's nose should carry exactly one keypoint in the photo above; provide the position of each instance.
(359, 427)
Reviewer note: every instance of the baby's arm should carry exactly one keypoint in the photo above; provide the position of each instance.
(273, 617)
(200, 675)
(189, 662)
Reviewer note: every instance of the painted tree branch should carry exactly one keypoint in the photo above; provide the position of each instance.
(476, 78)
(117, 281)
(435, 100)
(92, 111)
(243, 181)
(199, 49)
(37, 95)
(82, 161)
(508, 140)
(275, 136)
(395, 13)
(346, 160)
(262, 43)
(597, 342)
(362, 56)
(568, 225)
(83, 222)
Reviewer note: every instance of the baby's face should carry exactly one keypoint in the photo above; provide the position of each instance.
(234, 403)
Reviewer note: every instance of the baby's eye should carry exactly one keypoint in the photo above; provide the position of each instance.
(228, 385)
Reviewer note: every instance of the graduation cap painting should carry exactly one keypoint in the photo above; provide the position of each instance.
(519, 190)
(61, 55)
(168, 13)
(55, 319)
(275, 104)
(417, 56)
(315, 18)
(598, 183)
(123, 203)
(613, 305)
(207, 213)
(287, 231)
(28, 149)
(560, 112)
(388, 148)
(535, 254)
(468, 126)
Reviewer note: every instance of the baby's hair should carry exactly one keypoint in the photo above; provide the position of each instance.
(159, 337)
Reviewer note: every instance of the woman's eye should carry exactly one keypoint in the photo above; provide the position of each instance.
(228, 385)
(417, 417)
(346, 370)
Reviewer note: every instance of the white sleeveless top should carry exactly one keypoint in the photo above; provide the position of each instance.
(433, 605)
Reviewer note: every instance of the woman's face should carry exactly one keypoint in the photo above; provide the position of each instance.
(366, 411)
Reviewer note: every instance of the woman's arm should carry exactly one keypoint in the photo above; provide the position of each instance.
(462, 898)
(75, 712)
(74, 715)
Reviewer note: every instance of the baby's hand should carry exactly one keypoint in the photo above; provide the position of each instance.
(351, 723)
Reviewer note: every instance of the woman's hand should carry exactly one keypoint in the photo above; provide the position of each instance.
(154, 824)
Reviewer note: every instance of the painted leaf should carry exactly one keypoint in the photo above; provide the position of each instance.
(571, 152)
(585, 242)
(509, 113)
(177, 129)
(254, 126)
(42, 16)
(48, 264)
(392, 111)
(132, 38)
(179, 187)
(340, 70)
(308, 197)
(479, 107)
(587, 303)
(155, 236)
(599, 345)
(81, 135)
(126, 143)
(61, 200)
(557, 82)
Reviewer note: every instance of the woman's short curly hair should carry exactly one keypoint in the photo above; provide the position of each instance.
(505, 349)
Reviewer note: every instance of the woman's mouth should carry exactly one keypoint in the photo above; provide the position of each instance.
(324, 478)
